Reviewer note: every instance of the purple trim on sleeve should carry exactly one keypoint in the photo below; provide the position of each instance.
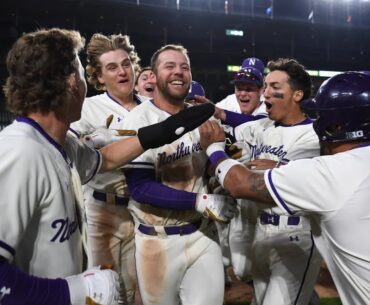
(96, 167)
(235, 119)
(281, 201)
(145, 189)
(24, 289)
(7, 248)
(74, 132)
(217, 156)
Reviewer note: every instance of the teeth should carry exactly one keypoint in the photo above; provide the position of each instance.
(177, 82)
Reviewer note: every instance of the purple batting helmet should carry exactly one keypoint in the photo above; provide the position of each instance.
(195, 89)
(341, 108)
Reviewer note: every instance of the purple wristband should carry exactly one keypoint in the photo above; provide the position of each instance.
(217, 156)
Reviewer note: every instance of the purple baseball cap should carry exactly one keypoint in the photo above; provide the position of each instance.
(195, 89)
(251, 72)
(253, 62)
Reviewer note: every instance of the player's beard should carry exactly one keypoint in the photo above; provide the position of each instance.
(165, 91)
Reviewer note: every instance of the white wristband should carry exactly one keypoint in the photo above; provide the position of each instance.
(223, 168)
(217, 146)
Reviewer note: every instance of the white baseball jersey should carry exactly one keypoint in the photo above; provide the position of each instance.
(95, 111)
(336, 190)
(230, 103)
(273, 141)
(180, 165)
(39, 227)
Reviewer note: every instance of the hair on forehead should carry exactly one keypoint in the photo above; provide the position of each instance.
(169, 47)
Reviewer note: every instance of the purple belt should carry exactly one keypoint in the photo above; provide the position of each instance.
(117, 200)
(172, 230)
(274, 219)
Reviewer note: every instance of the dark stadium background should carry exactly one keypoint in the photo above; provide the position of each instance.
(336, 37)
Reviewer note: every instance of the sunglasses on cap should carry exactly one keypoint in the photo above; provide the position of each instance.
(247, 76)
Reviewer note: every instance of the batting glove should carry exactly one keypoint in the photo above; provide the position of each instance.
(175, 126)
(94, 286)
(101, 137)
(217, 207)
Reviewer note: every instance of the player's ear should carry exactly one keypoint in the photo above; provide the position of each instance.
(73, 81)
(298, 95)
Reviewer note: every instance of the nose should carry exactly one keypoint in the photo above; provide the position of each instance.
(266, 93)
(121, 70)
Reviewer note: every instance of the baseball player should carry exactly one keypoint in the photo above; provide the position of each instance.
(320, 185)
(176, 246)
(40, 243)
(247, 99)
(285, 260)
(112, 61)
(145, 83)
(243, 100)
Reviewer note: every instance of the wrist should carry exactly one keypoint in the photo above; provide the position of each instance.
(77, 289)
(223, 168)
(214, 147)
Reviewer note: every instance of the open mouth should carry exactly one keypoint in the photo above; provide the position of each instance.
(149, 89)
(245, 101)
(123, 81)
(268, 105)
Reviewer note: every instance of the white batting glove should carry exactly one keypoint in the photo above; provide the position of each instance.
(101, 137)
(94, 286)
(217, 207)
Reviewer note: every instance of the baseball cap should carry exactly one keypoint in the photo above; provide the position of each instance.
(249, 76)
(195, 89)
(253, 62)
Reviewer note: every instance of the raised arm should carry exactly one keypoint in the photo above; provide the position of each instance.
(121, 152)
(232, 175)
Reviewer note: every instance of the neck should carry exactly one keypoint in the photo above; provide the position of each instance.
(293, 119)
(55, 127)
(170, 106)
(126, 101)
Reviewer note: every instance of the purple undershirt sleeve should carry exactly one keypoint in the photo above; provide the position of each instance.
(145, 189)
(234, 119)
(19, 288)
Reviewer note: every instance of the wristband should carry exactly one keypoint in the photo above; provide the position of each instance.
(223, 168)
(217, 156)
(217, 146)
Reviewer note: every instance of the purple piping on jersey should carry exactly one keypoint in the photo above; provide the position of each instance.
(136, 99)
(152, 101)
(74, 132)
(276, 193)
(145, 189)
(31, 290)
(306, 121)
(96, 167)
(235, 119)
(142, 163)
(35, 125)
(306, 270)
(361, 145)
(7, 248)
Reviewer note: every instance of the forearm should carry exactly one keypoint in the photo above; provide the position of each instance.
(234, 119)
(23, 289)
(144, 189)
(120, 153)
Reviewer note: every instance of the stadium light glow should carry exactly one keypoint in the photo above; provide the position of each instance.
(230, 32)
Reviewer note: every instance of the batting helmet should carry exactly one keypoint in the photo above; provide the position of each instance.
(341, 108)
(195, 89)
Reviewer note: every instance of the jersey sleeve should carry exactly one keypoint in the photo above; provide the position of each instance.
(87, 160)
(303, 185)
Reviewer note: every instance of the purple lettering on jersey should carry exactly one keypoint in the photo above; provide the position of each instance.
(181, 151)
(268, 149)
(65, 229)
